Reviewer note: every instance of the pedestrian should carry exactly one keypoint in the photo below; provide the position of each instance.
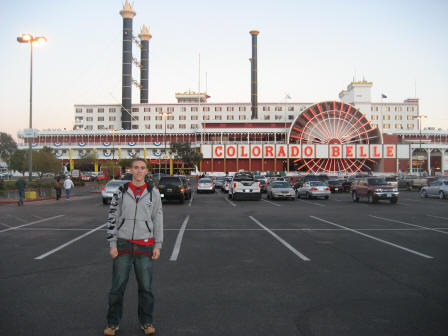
(68, 185)
(58, 187)
(20, 185)
(135, 235)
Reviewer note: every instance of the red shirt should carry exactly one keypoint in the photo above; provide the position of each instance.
(138, 191)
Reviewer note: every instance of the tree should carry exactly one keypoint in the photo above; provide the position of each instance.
(126, 163)
(86, 162)
(184, 152)
(7, 146)
(45, 162)
(18, 160)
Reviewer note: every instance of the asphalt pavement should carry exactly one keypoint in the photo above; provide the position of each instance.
(303, 267)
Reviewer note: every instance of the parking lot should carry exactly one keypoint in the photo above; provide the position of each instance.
(303, 267)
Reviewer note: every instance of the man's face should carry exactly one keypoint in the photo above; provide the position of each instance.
(139, 171)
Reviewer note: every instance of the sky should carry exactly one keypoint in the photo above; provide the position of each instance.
(310, 50)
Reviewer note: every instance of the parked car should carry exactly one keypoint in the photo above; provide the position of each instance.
(314, 189)
(347, 184)
(219, 182)
(336, 185)
(281, 189)
(431, 179)
(392, 180)
(263, 185)
(243, 185)
(226, 185)
(101, 177)
(86, 176)
(374, 189)
(411, 182)
(438, 189)
(187, 186)
(109, 189)
(206, 184)
(172, 188)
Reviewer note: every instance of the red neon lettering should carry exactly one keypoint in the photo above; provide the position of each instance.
(218, 148)
(308, 150)
(390, 151)
(361, 152)
(256, 151)
(231, 148)
(335, 151)
(294, 150)
(243, 151)
(268, 151)
(349, 151)
(281, 152)
(375, 151)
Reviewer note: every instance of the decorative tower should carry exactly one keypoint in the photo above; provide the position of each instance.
(128, 14)
(144, 36)
(253, 75)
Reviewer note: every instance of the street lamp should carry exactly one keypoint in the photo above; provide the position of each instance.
(38, 40)
(420, 117)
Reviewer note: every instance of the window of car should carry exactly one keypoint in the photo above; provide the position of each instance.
(205, 180)
(436, 183)
(115, 183)
(243, 177)
(317, 184)
(170, 180)
(377, 181)
(445, 183)
(280, 185)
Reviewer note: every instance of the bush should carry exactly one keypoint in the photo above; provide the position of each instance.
(79, 183)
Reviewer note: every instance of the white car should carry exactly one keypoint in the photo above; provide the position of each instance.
(314, 189)
(110, 188)
(226, 184)
(243, 185)
(438, 189)
(206, 184)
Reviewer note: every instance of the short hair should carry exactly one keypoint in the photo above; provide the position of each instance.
(138, 159)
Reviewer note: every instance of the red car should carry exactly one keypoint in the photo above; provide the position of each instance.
(101, 177)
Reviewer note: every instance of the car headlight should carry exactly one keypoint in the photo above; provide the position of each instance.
(395, 189)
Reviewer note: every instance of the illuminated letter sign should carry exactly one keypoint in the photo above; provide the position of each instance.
(282, 151)
(308, 151)
(349, 151)
(218, 151)
(231, 152)
(363, 151)
(389, 151)
(376, 151)
(255, 152)
(335, 151)
(294, 151)
(243, 151)
(268, 151)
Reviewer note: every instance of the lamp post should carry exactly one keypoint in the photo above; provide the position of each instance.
(28, 38)
(420, 117)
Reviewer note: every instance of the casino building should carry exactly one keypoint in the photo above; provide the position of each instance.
(348, 135)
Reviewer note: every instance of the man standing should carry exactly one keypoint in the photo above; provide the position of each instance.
(58, 188)
(68, 185)
(135, 235)
(20, 185)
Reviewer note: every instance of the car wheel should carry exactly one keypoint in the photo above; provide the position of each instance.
(234, 197)
(393, 200)
(409, 187)
(355, 197)
(105, 202)
(293, 199)
(441, 195)
(327, 197)
(182, 200)
(258, 197)
(269, 196)
(370, 198)
(229, 195)
(308, 196)
(423, 194)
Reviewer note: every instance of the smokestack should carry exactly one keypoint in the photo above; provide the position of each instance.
(126, 87)
(144, 36)
(253, 75)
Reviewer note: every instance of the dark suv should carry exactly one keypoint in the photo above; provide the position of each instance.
(174, 188)
(374, 189)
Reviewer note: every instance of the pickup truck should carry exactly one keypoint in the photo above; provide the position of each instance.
(244, 185)
(412, 182)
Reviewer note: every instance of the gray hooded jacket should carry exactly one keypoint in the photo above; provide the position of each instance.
(132, 220)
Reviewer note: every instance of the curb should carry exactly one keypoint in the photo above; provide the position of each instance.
(35, 200)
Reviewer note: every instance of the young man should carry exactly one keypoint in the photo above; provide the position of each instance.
(68, 185)
(135, 235)
(20, 185)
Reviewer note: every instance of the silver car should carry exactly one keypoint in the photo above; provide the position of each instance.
(219, 182)
(110, 188)
(436, 189)
(313, 189)
(206, 184)
(281, 189)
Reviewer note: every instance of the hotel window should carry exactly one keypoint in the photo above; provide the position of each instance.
(89, 110)
(182, 117)
(388, 109)
(206, 117)
(194, 109)
(218, 109)
(242, 117)
(112, 109)
(182, 126)
(170, 117)
(410, 126)
(158, 117)
(146, 118)
(266, 108)
(376, 108)
(291, 108)
(78, 110)
(278, 108)
(267, 117)
(374, 125)
(206, 109)
(374, 117)
(229, 109)
(134, 109)
(112, 118)
(386, 126)
(170, 109)
(194, 117)
(148, 126)
(100, 126)
(399, 126)
(89, 127)
(242, 108)
(398, 117)
(278, 117)
(218, 117)
(111, 127)
(89, 118)
(158, 126)
(184, 109)
(79, 118)
(170, 126)
(134, 126)
(100, 118)
(290, 117)
(371, 108)
(135, 118)
(147, 109)
(194, 126)
(386, 117)
(230, 117)
(410, 117)
(158, 109)
(100, 110)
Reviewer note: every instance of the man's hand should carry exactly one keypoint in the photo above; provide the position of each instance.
(113, 252)
(156, 253)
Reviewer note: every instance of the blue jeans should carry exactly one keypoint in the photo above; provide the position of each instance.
(21, 196)
(67, 193)
(139, 256)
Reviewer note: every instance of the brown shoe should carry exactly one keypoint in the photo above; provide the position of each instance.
(111, 330)
(148, 329)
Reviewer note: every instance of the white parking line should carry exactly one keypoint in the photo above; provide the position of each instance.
(322, 205)
(68, 243)
(277, 205)
(405, 223)
(437, 217)
(18, 218)
(5, 224)
(31, 223)
(233, 204)
(374, 238)
(191, 199)
(38, 217)
(287, 245)
(176, 249)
